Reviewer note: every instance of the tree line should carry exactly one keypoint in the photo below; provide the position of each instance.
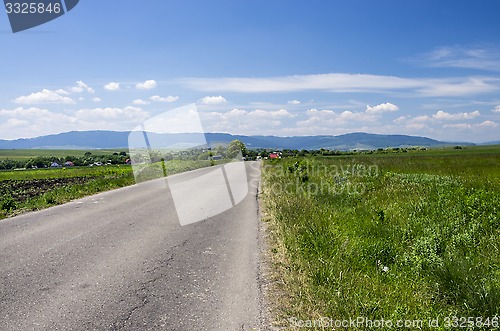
(46, 161)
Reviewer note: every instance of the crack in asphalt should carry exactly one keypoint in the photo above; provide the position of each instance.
(143, 292)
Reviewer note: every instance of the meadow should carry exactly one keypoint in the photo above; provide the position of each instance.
(409, 236)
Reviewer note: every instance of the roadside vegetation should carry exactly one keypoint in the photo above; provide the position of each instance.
(394, 236)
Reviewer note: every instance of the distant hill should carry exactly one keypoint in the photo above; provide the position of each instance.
(117, 139)
(491, 143)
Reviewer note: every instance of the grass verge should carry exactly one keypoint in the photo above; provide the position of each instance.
(385, 238)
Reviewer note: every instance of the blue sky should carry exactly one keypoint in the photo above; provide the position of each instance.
(429, 68)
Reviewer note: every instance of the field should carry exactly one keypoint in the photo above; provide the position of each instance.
(28, 190)
(409, 236)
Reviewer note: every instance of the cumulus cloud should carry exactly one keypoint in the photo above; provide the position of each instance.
(147, 85)
(332, 119)
(246, 115)
(169, 98)
(32, 122)
(270, 114)
(96, 99)
(463, 126)
(110, 113)
(81, 86)
(488, 124)
(45, 96)
(442, 115)
(382, 108)
(422, 118)
(243, 121)
(113, 86)
(496, 109)
(22, 112)
(427, 121)
(140, 102)
(213, 100)
(294, 102)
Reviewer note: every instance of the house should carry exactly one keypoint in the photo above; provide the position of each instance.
(274, 156)
(69, 164)
(55, 165)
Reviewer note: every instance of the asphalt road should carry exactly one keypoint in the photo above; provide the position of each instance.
(120, 260)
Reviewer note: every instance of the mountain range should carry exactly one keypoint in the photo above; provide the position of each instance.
(119, 139)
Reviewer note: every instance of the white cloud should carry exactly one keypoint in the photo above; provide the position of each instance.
(62, 91)
(294, 102)
(382, 108)
(110, 113)
(147, 85)
(81, 86)
(488, 124)
(245, 115)
(422, 118)
(169, 98)
(140, 102)
(215, 100)
(460, 86)
(426, 122)
(21, 112)
(464, 126)
(482, 58)
(354, 83)
(245, 122)
(327, 118)
(45, 96)
(32, 122)
(96, 99)
(113, 86)
(270, 114)
(442, 115)
(497, 109)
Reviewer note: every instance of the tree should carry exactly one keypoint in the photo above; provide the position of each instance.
(234, 148)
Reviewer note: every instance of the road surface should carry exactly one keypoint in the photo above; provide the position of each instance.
(120, 260)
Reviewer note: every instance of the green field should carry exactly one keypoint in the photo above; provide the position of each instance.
(401, 236)
(28, 190)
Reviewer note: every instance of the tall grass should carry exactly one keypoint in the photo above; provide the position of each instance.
(385, 238)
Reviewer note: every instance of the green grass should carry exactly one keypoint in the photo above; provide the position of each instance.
(28, 190)
(392, 236)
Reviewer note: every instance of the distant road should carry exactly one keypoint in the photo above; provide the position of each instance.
(120, 261)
